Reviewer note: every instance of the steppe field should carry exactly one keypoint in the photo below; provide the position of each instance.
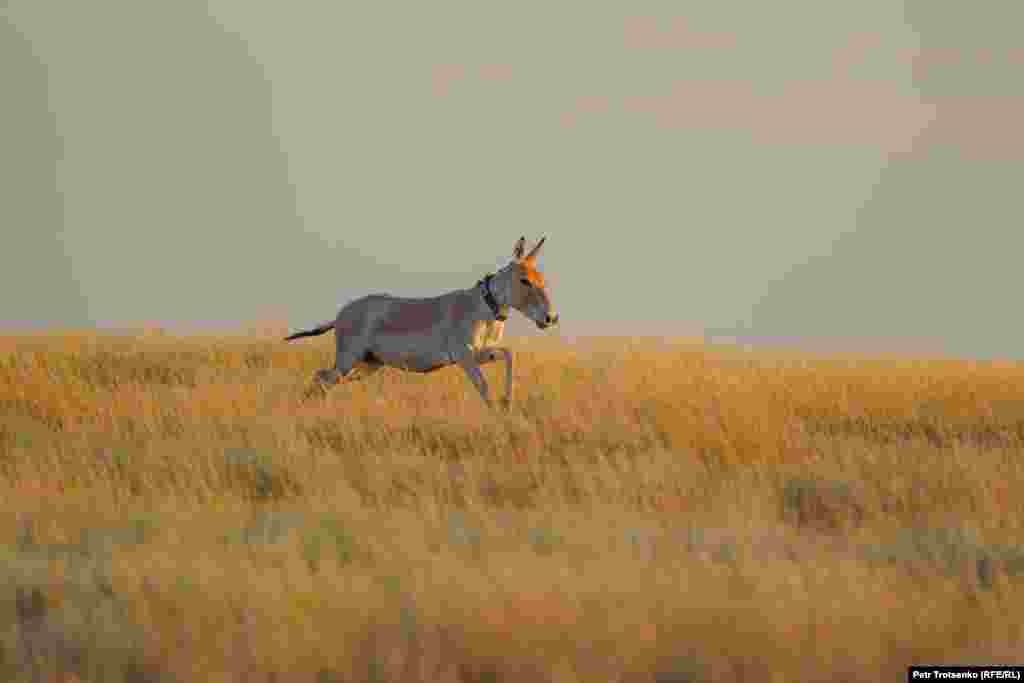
(184, 508)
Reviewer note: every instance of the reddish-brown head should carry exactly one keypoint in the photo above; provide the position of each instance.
(529, 294)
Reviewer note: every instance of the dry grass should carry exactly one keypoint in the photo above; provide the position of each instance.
(179, 509)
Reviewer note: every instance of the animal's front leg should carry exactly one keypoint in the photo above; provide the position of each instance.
(492, 354)
(472, 368)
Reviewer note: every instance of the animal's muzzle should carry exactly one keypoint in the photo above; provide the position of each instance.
(548, 322)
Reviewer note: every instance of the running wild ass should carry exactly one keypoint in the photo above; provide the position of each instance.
(462, 327)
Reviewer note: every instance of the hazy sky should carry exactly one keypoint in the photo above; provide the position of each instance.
(797, 169)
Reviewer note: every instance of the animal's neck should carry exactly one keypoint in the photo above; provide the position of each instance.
(495, 289)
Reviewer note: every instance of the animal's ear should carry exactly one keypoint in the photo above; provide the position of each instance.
(533, 252)
(517, 253)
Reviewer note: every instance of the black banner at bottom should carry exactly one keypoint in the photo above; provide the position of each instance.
(936, 674)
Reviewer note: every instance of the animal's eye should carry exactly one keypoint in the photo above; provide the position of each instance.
(526, 282)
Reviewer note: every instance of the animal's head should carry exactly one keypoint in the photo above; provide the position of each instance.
(528, 292)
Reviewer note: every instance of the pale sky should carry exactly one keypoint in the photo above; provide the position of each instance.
(786, 170)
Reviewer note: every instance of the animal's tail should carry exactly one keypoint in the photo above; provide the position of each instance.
(318, 330)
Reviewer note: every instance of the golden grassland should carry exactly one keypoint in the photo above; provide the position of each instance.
(184, 509)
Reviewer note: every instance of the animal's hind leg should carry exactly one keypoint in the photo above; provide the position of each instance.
(334, 376)
(344, 367)
(327, 377)
(364, 370)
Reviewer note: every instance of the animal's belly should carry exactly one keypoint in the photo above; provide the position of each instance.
(411, 361)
